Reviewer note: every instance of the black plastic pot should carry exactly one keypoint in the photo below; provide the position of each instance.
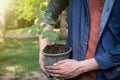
(50, 59)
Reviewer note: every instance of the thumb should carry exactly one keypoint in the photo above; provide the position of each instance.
(60, 62)
(44, 71)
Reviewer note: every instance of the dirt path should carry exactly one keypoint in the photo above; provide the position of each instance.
(31, 76)
(18, 35)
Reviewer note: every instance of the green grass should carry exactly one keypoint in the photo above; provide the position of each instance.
(20, 54)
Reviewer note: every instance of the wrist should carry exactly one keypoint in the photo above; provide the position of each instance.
(41, 58)
(88, 65)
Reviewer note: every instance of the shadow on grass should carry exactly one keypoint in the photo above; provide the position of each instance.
(19, 55)
(19, 58)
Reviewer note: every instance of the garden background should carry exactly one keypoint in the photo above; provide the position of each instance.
(19, 53)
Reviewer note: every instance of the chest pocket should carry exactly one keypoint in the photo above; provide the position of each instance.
(114, 21)
(111, 35)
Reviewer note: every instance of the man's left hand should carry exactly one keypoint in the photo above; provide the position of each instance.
(65, 69)
(71, 68)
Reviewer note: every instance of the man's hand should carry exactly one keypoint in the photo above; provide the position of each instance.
(42, 65)
(42, 44)
(65, 69)
(71, 68)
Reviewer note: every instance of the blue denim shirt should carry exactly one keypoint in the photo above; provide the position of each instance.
(107, 52)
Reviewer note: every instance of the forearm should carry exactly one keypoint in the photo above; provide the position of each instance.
(88, 65)
(43, 43)
(56, 7)
(64, 69)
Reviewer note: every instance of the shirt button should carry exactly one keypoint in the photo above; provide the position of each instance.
(85, 42)
(108, 9)
(87, 24)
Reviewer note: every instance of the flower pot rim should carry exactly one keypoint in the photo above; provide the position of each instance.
(58, 54)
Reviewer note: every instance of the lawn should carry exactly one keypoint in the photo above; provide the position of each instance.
(19, 56)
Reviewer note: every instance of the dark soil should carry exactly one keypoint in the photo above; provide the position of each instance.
(56, 48)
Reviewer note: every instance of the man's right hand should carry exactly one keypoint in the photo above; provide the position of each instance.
(42, 65)
(42, 44)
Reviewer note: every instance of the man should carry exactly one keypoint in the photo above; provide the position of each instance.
(93, 34)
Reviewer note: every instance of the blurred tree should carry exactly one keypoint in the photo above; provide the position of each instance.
(2, 26)
(21, 12)
(23, 9)
(15, 12)
(63, 24)
(4, 5)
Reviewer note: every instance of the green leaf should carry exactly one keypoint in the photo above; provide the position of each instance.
(43, 12)
(34, 27)
(53, 36)
(51, 22)
(43, 26)
(45, 34)
(36, 5)
(25, 30)
(43, 8)
(40, 31)
(37, 13)
(34, 32)
(48, 15)
(39, 20)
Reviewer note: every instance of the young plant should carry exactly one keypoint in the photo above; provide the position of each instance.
(38, 28)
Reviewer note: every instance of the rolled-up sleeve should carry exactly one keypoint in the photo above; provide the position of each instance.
(109, 62)
(110, 58)
(55, 7)
(104, 60)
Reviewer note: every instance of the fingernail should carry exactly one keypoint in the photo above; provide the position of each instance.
(54, 64)
(46, 66)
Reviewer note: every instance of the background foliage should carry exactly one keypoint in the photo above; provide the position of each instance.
(19, 52)
(19, 12)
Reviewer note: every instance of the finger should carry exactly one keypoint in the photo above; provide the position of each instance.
(44, 71)
(54, 71)
(52, 67)
(60, 79)
(46, 74)
(61, 62)
(55, 75)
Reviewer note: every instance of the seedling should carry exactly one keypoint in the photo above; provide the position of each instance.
(38, 28)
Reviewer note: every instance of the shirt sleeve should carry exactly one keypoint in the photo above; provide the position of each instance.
(109, 62)
(110, 58)
(55, 7)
